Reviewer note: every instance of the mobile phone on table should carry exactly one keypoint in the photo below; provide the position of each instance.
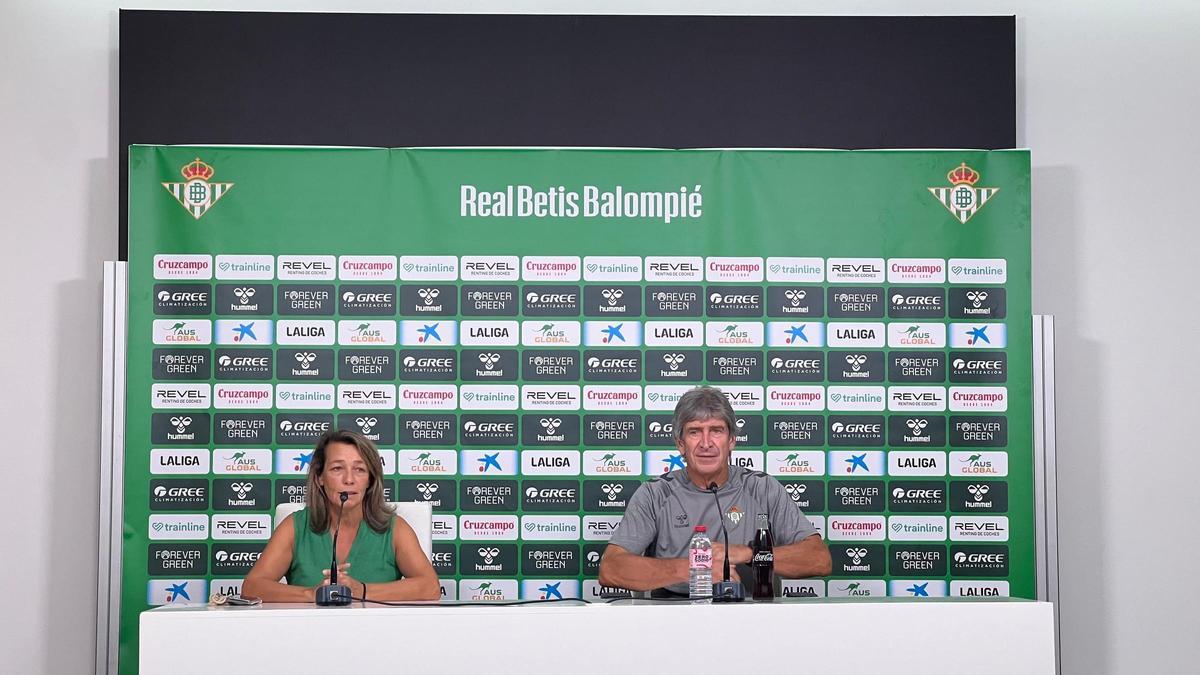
(243, 600)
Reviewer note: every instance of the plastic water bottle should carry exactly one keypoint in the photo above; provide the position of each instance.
(700, 562)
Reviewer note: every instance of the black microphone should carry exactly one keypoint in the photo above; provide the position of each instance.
(335, 594)
(725, 590)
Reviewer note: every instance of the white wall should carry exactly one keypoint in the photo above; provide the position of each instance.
(1108, 95)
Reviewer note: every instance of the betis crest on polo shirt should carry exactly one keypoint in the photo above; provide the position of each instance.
(962, 197)
(196, 193)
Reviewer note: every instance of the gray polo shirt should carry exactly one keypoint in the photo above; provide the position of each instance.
(659, 519)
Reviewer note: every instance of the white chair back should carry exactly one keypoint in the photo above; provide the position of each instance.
(418, 515)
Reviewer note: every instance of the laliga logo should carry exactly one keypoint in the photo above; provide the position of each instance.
(489, 359)
(488, 554)
(917, 425)
(550, 424)
(612, 295)
(856, 554)
(856, 361)
(978, 491)
(961, 197)
(794, 296)
(429, 295)
(366, 424)
(243, 295)
(242, 489)
(611, 490)
(977, 298)
(305, 359)
(427, 490)
(181, 423)
(196, 194)
(673, 360)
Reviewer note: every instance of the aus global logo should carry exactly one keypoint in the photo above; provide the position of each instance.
(961, 197)
(197, 194)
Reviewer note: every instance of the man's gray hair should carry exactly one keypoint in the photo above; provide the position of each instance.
(702, 403)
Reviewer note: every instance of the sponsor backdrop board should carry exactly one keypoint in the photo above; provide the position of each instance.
(513, 328)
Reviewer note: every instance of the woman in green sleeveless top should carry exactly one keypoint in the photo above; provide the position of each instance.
(379, 553)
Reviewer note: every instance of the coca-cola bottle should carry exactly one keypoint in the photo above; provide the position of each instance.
(763, 561)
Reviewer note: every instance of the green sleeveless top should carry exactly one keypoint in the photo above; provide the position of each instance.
(372, 557)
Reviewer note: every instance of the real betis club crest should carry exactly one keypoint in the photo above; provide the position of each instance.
(962, 197)
(196, 194)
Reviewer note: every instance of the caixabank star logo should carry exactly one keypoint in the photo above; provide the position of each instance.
(961, 197)
(197, 194)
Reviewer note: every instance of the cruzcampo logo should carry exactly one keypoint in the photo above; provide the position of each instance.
(961, 197)
(197, 194)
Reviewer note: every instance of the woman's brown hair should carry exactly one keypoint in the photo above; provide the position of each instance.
(375, 511)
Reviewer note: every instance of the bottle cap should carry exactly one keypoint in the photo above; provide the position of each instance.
(701, 528)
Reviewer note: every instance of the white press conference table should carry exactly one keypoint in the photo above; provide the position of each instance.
(888, 635)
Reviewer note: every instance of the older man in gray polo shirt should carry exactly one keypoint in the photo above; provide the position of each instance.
(650, 547)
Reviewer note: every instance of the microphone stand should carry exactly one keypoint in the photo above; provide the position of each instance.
(725, 590)
(335, 594)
